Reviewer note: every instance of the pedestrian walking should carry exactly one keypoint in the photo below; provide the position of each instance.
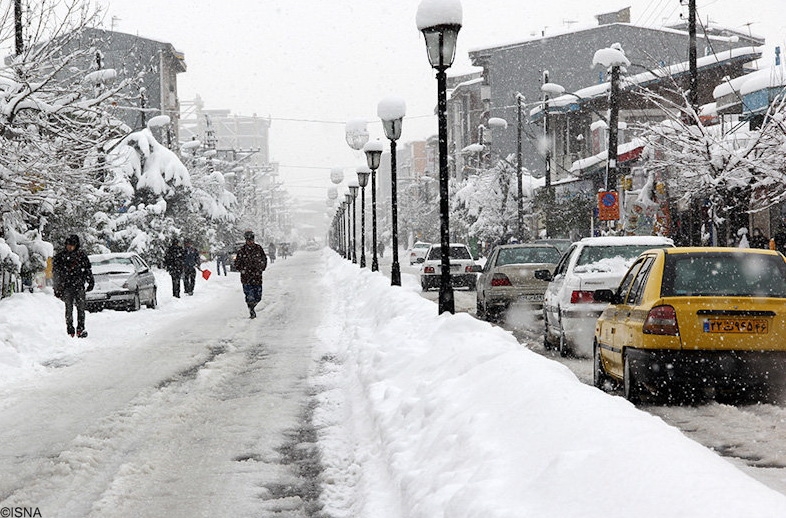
(72, 277)
(381, 248)
(173, 263)
(191, 264)
(251, 261)
(221, 262)
(271, 250)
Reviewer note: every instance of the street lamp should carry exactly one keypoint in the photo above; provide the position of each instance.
(356, 133)
(344, 230)
(440, 22)
(353, 193)
(363, 174)
(392, 110)
(350, 231)
(373, 152)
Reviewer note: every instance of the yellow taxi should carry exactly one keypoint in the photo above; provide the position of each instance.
(694, 318)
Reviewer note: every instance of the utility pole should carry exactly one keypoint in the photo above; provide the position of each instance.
(520, 200)
(18, 26)
(548, 155)
(693, 94)
(611, 170)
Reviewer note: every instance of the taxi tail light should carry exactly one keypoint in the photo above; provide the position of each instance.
(500, 279)
(468, 269)
(428, 269)
(582, 297)
(661, 320)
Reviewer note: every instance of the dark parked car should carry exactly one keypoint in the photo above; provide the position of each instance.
(122, 281)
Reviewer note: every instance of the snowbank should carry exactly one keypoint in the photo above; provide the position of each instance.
(460, 420)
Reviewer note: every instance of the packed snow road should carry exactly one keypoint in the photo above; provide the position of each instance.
(189, 410)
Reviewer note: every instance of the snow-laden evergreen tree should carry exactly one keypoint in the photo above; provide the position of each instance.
(485, 205)
(55, 113)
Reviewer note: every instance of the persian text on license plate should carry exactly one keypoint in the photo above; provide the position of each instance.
(736, 325)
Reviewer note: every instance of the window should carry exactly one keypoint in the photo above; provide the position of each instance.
(724, 274)
(637, 288)
(525, 255)
(562, 266)
(593, 254)
(456, 252)
(627, 281)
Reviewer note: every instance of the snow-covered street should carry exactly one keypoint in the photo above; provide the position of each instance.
(181, 411)
(345, 398)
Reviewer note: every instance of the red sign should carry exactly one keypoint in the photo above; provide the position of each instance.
(608, 206)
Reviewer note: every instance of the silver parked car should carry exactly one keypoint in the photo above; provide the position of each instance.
(123, 281)
(509, 277)
(463, 270)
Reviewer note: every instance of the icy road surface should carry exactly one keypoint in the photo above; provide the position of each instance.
(189, 410)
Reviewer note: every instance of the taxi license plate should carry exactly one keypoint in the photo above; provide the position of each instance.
(736, 325)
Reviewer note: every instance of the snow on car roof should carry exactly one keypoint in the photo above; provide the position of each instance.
(627, 240)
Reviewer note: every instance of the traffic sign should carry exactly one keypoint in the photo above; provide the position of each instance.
(608, 206)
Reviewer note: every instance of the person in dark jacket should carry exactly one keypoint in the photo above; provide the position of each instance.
(173, 263)
(758, 239)
(271, 252)
(251, 261)
(191, 264)
(72, 277)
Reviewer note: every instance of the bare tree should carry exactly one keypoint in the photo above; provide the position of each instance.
(731, 169)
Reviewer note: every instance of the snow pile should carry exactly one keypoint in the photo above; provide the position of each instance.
(457, 419)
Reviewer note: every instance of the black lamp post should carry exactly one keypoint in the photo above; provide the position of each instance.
(373, 152)
(343, 229)
(392, 111)
(350, 230)
(353, 193)
(363, 174)
(440, 22)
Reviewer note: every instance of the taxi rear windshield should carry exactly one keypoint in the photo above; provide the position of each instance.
(724, 274)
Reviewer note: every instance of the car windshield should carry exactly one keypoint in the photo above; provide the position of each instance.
(609, 256)
(112, 265)
(724, 274)
(525, 255)
(456, 252)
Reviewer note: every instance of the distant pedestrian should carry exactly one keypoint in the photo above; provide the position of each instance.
(381, 248)
(191, 264)
(251, 261)
(72, 277)
(221, 262)
(271, 251)
(173, 263)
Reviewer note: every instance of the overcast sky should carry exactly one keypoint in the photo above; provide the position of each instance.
(327, 61)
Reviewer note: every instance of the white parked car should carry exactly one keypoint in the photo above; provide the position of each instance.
(417, 254)
(463, 270)
(594, 263)
(122, 281)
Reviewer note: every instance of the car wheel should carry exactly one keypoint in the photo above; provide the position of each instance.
(546, 340)
(472, 284)
(564, 348)
(135, 304)
(424, 285)
(599, 376)
(480, 311)
(153, 304)
(630, 386)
